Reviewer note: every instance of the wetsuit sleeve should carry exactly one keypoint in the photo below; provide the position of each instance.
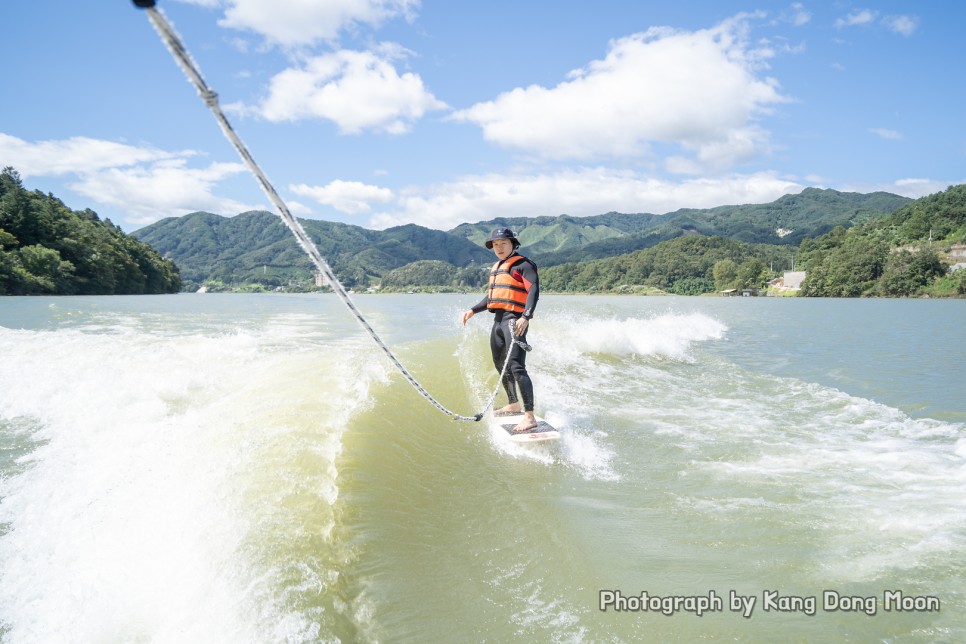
(531, 281)
(480, 307)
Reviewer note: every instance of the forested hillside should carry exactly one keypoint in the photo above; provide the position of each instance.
(256, 248)
(689, 265)
(900, 255)
(45, 247)
(433, 275)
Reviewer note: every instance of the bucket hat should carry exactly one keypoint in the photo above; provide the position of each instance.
(502, 233)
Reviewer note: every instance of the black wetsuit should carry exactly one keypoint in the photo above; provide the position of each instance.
(500, 336)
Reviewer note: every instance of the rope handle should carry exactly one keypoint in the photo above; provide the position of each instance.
(506, 363)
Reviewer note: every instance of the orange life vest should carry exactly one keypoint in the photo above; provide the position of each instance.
(506, 292)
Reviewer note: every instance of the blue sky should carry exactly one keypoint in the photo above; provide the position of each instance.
(385, 112)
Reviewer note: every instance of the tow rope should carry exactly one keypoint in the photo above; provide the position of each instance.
(188, 66)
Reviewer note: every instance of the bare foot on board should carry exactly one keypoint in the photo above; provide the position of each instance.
(528, 423)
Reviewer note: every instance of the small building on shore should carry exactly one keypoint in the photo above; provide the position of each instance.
(793, 280)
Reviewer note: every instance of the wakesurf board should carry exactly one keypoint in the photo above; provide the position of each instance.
(544, 431)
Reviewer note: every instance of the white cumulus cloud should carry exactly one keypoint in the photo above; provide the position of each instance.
(357, 90)
(145, 183)
(699, 90)
(168, 189)
(76, 154)
(304, 22)
(856, 18)
(886, 134)
(800, 17)
(202, 3)
(350, 197)
(903, 25)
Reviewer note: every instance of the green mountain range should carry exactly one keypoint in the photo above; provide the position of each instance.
(786, 221)
(255, 247)
(908, 253)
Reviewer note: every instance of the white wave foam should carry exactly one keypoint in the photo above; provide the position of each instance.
(569, 379)
(886, 490)
(167, 470)
(669, 335)
(583, 390)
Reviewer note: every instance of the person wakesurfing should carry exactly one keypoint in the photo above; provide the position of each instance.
(512, 295)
